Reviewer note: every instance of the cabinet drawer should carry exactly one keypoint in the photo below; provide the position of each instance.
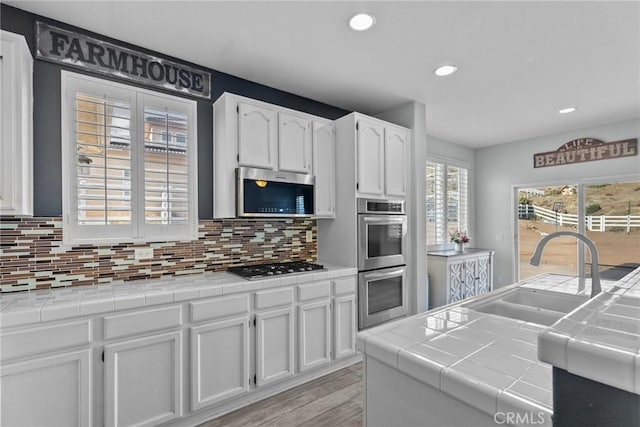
(45, 339)
(275, 298)
(141, 322)
(219, 307)
(344, 286)
(314, 291)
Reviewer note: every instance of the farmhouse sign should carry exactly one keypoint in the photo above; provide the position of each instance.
(586, 150)
(78, 50)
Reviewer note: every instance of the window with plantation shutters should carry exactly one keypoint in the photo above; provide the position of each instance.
(129, 163)
(103, 163)
(447, 208)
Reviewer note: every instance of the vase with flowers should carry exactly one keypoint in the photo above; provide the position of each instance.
(459, 238)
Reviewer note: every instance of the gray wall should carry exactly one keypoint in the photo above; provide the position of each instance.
(501, 167)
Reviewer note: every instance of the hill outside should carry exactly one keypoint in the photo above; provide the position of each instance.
(619, 252)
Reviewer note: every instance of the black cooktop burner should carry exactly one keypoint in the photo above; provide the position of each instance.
(261, 271)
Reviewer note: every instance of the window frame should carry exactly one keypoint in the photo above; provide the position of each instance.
(137, 231)
(449, 162)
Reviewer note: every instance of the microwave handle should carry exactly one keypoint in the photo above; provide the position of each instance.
(385, 275)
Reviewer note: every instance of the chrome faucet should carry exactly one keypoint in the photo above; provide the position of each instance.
(595, 271)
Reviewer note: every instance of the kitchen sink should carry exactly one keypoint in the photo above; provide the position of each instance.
(530, 305)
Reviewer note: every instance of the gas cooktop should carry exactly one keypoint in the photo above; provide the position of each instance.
(260, 271)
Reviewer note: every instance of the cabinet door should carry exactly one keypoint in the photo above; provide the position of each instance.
(219, 361)
(16, 130)
(483, 275)
(48, 391)
(455, 281)
(370, 153)
(294, 143)
(274, 345)
(470, 278)
(344, 326)
(257, 134)
(143, 380)
(314, 334)
(396, 145)
(324, 169)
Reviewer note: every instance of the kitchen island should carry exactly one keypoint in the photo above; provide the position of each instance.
(465, 365)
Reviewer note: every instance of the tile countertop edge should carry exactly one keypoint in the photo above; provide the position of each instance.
(33, 307)
(606, 348)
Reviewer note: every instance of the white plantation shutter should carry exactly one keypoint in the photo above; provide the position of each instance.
(131, 178)
(167, 193)
(447, 207)
(103, 163)
(435, 203)
(457, 209)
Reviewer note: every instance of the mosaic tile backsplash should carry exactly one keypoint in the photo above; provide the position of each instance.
(32, 255)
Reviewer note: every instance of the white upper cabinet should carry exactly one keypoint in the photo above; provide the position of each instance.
(257, 135)
(370, 157)
(16, 147)
(324, 168)
(396, 144)
(294, 143)
(378, 152)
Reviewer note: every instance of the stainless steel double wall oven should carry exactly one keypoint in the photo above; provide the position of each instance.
(382, 248)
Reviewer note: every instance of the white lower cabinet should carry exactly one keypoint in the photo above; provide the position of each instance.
(454, 276)
(274, 345)
(143, 380)
(344, 326)
(344, 317)
(47, 391)
(219, 361)
(225, 347)
(314, 334)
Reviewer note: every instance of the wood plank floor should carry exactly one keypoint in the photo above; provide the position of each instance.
(333, 400)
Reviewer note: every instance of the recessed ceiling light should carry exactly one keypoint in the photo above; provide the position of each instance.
(361, 22)
(445, 70)
(567, 110)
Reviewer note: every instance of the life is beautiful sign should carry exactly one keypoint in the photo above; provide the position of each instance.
(78, 50)
(586, 150)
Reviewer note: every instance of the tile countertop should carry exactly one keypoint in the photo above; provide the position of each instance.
(600, 340)
(21, 308)
(491, 362)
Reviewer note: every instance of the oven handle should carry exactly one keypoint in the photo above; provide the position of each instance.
(386, 274)
(398, 219)
(387, 219)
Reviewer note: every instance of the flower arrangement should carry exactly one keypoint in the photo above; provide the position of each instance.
(459, 236)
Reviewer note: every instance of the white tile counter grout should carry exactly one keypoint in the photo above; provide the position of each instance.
(491, 362)
(22, 308)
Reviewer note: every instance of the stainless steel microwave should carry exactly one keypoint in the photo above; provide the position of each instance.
(267, 193)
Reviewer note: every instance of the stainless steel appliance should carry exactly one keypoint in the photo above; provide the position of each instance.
(261, 271)
(267, 193)
(382, 233)
(382, 296)
(382, 246)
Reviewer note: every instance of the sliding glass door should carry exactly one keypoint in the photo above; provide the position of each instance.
(608, 213)
(541, 211)
(612, 221)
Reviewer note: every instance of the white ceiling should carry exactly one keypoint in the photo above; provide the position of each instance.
(519, 61)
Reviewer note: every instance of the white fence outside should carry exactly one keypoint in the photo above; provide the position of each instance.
(593, 222)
